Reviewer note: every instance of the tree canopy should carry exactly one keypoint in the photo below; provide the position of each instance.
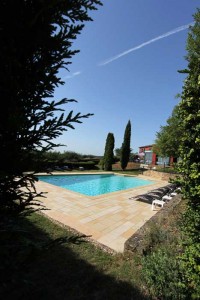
(169, 137)
(36, 38)
(36, 42)
(189, 166)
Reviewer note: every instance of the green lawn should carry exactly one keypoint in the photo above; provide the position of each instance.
(129, 172)
(42, 260)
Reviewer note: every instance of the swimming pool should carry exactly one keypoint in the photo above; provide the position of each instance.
(94, 185)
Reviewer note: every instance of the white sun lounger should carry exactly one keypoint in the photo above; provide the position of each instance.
(166, 198)
(157, 202)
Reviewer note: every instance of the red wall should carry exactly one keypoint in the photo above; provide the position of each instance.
(145, 148)
(153, 158)
(149, 148)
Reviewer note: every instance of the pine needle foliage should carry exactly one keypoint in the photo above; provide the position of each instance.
(36, 43)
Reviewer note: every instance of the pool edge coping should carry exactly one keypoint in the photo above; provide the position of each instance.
(106, 194)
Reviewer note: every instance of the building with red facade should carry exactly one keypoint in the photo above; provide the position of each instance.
(149, 157)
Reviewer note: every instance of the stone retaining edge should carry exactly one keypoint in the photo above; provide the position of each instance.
(137, 243)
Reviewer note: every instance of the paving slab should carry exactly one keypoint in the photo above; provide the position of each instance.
(109, 219)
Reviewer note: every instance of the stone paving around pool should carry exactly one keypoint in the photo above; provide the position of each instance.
(109, 219)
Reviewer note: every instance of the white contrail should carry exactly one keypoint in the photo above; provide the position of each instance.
(105, 62)
(72, 75)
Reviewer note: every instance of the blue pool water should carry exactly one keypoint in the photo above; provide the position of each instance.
(93, 185)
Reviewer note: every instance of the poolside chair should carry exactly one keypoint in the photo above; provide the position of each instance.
(66, 168)
(49, 170)
(57, 168)
(173, 194)
(172, 187)
(149, 196)
(163, 189)
(176, 191)
(167, 198)
(155, 195)
(138, 196)
(157, 202)
(145, 197)
(132, 198)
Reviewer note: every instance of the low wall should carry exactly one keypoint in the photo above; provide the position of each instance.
(159, 175)
(137, 242)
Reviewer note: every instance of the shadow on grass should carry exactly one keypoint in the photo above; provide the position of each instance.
(35, 265)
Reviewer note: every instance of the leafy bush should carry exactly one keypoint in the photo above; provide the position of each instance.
(161, 273)
(189, 166)
(154, 236)
(190, 258)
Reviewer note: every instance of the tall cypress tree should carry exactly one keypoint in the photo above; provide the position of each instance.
(125, 149)
(108, 153)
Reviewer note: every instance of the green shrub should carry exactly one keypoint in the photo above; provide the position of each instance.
(189, 166)
(161, 274)
(154, 236)
(190, 257)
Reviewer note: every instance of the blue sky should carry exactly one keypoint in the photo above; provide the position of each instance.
(126, 70)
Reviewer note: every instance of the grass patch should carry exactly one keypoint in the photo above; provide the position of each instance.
(129, 172)
(43, 260)
(40, 259)
(166, 170)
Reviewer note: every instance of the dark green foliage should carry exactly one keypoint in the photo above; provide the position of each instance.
(18, 194)
(161, 274)
(51, 159)
(36, 38)
(169, 137)
(108, 153)
(189, 113)
(54, 156)
(125, 149)
(47, 161)
(132, 157)
(165, 270)
(161, 266)
(118, 152)
(190, 258)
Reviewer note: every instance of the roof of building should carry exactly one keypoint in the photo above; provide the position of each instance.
(146, 146)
